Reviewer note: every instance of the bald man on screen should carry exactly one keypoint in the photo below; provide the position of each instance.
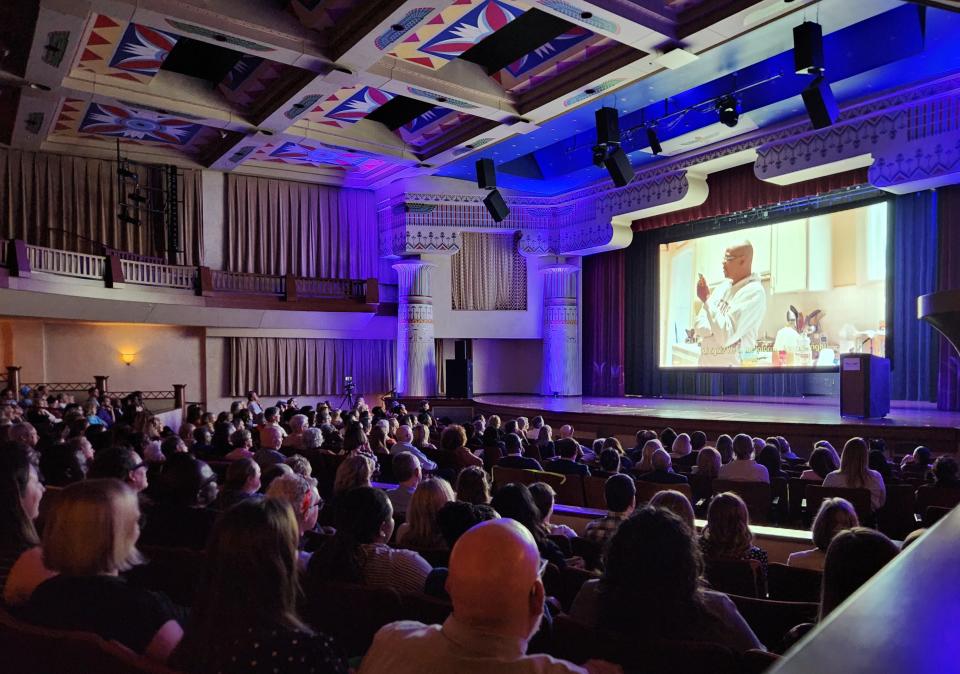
(729, 321)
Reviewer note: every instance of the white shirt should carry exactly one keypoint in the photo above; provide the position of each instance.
(729, 321)
(744, 470)
(807, 559)
(878, 492)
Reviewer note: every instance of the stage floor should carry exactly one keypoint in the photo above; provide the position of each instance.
(907, 425)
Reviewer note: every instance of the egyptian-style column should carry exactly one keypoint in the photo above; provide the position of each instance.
(561, 343)
(416, 358)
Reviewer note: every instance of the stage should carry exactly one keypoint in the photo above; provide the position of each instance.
(802, 421)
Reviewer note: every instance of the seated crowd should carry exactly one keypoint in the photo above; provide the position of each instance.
(281, 502)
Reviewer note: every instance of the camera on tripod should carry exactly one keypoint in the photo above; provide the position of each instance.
(348, 389)
(348, 386)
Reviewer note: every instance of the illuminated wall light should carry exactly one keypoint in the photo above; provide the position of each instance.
(127, 357)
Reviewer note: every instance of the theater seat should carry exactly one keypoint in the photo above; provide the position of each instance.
(788, 583)
(755, 494)
(173, 571)
(772, 620)
(739, 576)
(27, 649)
(647, 490)
(351, 613)
(578, 643)
(859, 499)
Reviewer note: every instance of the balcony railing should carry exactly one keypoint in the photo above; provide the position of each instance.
(119, 268)
(162, 275)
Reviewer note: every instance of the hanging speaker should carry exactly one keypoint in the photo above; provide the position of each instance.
(619, 168)
(820, 104)
(808, 48)
(486, 174)
(496, 206)
(608, 126)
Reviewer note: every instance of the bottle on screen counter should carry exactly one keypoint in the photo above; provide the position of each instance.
(804, 357)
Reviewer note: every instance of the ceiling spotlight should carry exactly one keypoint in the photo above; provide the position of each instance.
(654, 142)
(727, 109)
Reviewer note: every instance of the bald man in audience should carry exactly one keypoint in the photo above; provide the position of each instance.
(494, 584)
(730, 318)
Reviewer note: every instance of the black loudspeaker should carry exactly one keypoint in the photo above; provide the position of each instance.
(808, 48)
(486, 174)
(608, 126)
(864, 386)
(462, 349)
(459, 378)
(496, 206)
(619, 168)
(820, 104)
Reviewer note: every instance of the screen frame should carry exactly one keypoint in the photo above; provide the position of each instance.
(724, 224)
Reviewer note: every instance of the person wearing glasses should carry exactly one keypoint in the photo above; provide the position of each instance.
(497, 594)
(730, 318)
(302, 495)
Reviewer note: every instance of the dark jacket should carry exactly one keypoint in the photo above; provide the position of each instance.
(518, 461)
(567, 467)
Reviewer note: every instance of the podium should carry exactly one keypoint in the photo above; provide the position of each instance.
(864, 386)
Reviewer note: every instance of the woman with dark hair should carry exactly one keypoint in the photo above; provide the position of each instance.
(355, 440)
(822, 463)
(453, 449)
(253, 547)
(853, 557)
(473, 486)
(20, 494)
(241, 483)
(63, 464)
(516, 502)
(652, 586)
(613, 443)
(725, 447)
(358, 552)
(878, 461)
(769, 457)
(727, 535)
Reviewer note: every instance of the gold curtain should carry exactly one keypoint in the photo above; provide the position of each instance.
(489, 274)
(71, 203)
(285, 227)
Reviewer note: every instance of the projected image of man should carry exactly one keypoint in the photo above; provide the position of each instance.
(731, 315)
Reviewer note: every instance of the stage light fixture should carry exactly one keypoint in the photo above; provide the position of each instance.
(727, 109)
(653, 140)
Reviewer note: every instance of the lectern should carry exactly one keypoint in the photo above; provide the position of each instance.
(864, 386)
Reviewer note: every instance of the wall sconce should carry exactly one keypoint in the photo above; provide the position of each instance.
(128, 357)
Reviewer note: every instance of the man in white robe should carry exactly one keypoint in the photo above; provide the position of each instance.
(729, 321)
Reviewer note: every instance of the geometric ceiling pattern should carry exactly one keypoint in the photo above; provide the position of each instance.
(367, 93)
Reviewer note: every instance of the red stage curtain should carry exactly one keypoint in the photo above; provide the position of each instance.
(603, 324)
(738, 189)
(948, 381)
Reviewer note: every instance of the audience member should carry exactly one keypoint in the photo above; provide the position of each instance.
(358, 552)
(743, 468)
(299, 465)
(854, 556)
(406, 471)
(241, 483)
(497, 595)
(609, 463)
(121, 464)
(727, 534)
(677, 503)
(916, 464)
(245, 617)
(834, 516)
(644, 463)
(945, 471)
(620, 494)
(877, 460)
(514, 454)
(662, 472)
(421, 531)
(89, 538)
(566, 463)
(20, 494)
(62, 464)
(453, 448)
(854, 473)
(514, 501)
(725, 447)
(681, 446)
(473, 486)
(821, 464)
(356, 470)
(698, 440)
(544, 442)
(769, 458)
(301, 494)
(545, 497)
(652, 587)
(404, 436)
(180, 518)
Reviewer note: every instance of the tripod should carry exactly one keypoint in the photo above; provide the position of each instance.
(347, 398)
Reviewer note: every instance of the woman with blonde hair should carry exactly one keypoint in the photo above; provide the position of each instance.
(678, 504)
(89, 537)
(421, 530)
(727, 535)
(855, 473)
(645, 465)
(544, 442)
(473, 486)
(354, 471)
(835, 515)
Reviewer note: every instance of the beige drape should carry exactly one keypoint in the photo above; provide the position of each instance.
(301, 366)
(489, 274)
(286, 227)
(71, 203)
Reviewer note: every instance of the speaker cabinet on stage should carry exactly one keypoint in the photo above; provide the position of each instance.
(864, 386)
(459, 378)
